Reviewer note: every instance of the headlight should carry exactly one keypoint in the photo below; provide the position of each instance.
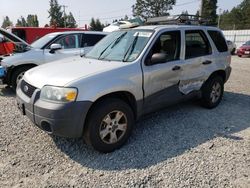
(58, 94)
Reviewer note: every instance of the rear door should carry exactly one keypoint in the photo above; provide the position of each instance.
(70, 47)
(198, 58)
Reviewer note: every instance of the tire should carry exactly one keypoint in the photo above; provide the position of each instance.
(102, 129)
(212, 92)
(17, 76)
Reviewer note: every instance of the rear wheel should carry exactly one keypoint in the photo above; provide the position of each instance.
(212, 92)
(109, 125)
(17, 75)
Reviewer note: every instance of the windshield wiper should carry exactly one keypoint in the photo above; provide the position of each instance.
(115, 42)
(131, 48)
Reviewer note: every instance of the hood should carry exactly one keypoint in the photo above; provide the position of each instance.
(32, 56)
(13, 38)
(63, 72)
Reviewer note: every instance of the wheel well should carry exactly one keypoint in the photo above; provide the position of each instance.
(14, 68)
(220, 73)
(123, 95)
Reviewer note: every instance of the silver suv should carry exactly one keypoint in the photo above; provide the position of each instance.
(128, 74)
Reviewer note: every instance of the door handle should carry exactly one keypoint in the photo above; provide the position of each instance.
(207, 62)
(175, 68)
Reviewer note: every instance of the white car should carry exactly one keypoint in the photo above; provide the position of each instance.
(51, 47)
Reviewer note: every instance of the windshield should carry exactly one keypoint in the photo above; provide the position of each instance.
(247, 43)
(123, 46)
(42, 41)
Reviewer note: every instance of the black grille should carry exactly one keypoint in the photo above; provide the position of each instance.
(27, 89)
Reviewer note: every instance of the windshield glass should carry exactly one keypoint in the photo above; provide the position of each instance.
(123, 46)
(42, 41)
(248, 43)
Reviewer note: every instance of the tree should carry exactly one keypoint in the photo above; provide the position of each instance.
(237, 18)
(96, 25)
(55, 14)
(32, 21)
(70, 21)
(6, 22)
(209, 8)
(22, 22)
(148, 8)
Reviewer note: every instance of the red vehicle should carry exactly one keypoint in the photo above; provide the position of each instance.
(30, 34)
(244, 50)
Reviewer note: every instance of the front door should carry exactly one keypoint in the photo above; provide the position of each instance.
(161, 79)
(70, 47)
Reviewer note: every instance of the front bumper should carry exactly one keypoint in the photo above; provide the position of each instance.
(66, 120)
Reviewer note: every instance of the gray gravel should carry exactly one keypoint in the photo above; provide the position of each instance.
(182, 146)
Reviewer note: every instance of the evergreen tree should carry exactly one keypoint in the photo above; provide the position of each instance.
(149, 8)
(6, 22)
(92, 24)
(32, 21)
(55, 14)
(70, 21)
(209, 8)
(96, 25)
(21, 22)
(237, 18)
(126, 17)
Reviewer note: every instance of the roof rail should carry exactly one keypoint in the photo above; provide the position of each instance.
(182, 19)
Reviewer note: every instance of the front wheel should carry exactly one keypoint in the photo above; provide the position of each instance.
(212, 92)
(17, 75)
(109, 125)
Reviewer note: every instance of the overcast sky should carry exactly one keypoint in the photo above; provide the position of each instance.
(83, 10)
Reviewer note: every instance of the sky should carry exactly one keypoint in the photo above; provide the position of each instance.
(84, 10)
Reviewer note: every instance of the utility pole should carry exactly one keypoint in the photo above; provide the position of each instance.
(64, 7)
(201, 7)
(220, 11)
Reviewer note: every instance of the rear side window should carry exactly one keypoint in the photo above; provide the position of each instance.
(197, 44)
(91, 39)
(218, 40)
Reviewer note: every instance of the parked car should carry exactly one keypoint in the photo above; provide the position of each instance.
(244, 50)
(29, 35)
(128, 74)
(231, 47)
(51, 47)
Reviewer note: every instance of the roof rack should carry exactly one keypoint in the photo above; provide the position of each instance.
(182, 19)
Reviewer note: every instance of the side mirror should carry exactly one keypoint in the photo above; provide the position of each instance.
(157, 58)
(55, 47)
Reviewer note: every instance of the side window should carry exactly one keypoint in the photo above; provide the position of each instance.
(91, 39)
(69, 41)
(169, 44)
(218, 40)
(197, 44)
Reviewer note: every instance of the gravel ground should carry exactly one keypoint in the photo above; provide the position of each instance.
(182, 146)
